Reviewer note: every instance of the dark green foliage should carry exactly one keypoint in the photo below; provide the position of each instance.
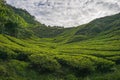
(71, 77)
(115, 58)
(22, 56)
(3, 71)
(6, 53)
(101, 26)
(12, 28)
(19, 23)
(77, 38)
(11, 23)
(3, 55)
(44, 63)
(27, 17)
(80, 65)
(47, 32)
(107, 76)
(104, 66)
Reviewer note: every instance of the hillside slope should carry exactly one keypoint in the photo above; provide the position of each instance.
(19, 23)
(106, 27)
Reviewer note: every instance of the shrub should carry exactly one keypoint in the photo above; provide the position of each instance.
(3, 55)
(44, 63)
(6, 54)
(116, 59)
(102, 65)
(80, 65)
(16, 67)
(77, 38)
(22, 56)
(3, 71)
(70, 77)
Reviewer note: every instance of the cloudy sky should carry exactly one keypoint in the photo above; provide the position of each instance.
(67, 13)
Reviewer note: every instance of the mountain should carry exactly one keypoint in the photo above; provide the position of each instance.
(19, 23)
(67, 13)
(11, 22)
(107, 26)
(30, 50)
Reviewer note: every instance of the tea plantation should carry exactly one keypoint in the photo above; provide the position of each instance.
(30, 50)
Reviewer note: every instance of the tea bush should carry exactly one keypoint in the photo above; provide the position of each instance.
(44, 63)
(101, 64)
(80, 65)
(6, 53)
(116, 59)
(3, 71)
(22, 56)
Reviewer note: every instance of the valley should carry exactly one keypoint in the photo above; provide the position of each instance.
(30, 50)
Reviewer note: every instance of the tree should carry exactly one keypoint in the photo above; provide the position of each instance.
(12, 28)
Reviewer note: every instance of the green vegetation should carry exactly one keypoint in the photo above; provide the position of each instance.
(30, 50)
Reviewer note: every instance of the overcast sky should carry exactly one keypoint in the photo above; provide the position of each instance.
(67, 13)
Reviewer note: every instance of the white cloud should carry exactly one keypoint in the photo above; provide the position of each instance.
(67, 13)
